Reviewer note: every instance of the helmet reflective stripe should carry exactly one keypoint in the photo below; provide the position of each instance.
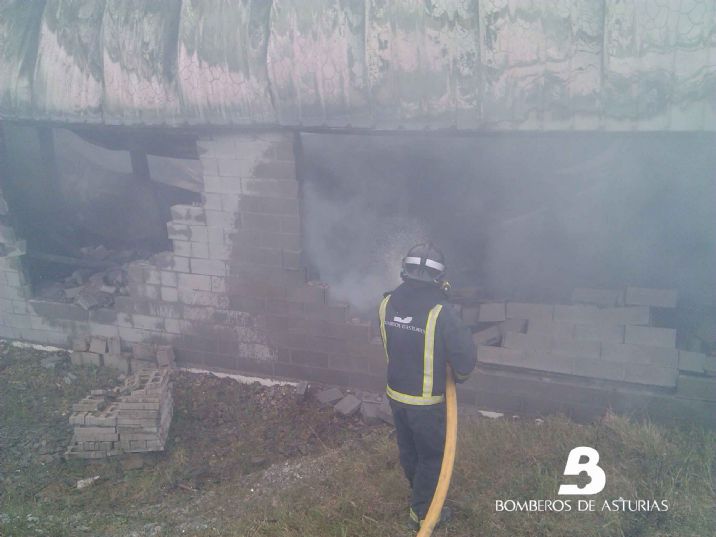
(428, 263)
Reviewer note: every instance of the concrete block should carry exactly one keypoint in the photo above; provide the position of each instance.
(492, 312)
(578, 313)
(80, 344)
(385, 413)
(651, 336)
(348, 406)
(633, 315)
(702, 388)
(606, 333)
(692, 362)
(599, 369)
(488, 336)
(501, 356)
(98, 345)
(641, 296)
(329, 396)
(146, 322)
(198, 282)
(169, 294)
(370, 412)
(209, 267)
(573, 347)
(560, 329)
(90, 358)
(520, 310)
(114, 346)
(597, 297)
(640, 354)
(651, 375)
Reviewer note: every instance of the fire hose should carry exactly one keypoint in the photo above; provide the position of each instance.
(441, 490)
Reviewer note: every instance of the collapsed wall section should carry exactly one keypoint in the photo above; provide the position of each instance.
(232, 293)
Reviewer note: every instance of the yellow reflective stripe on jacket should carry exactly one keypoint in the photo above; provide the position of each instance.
(413, 399)
(381, 316)
(429, 350)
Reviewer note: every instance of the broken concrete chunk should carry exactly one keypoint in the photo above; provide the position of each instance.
(370, 412)
(348, 406)
(329, 396)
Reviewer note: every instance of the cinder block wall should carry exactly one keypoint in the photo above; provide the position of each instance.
(232, 294)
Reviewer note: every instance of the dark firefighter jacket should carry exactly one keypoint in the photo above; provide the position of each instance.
(420, 332)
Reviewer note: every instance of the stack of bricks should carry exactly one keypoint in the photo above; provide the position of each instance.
(145, 413)
(95, 427)
(605, 334)
(133, 418)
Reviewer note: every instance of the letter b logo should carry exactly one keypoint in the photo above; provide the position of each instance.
(574, 467)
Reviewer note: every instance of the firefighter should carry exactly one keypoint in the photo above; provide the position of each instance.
(422, 333)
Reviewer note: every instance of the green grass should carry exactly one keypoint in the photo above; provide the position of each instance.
(331, 480)
(364, 493)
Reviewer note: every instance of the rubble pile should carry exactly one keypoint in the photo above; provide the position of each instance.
(134, 417)
(604, 334)
(92, 288)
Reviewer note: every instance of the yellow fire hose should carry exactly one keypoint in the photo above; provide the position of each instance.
(436, 505)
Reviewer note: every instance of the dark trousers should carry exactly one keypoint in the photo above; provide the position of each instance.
(421, 441)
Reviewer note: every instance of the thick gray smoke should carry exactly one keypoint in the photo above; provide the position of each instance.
(525, 217)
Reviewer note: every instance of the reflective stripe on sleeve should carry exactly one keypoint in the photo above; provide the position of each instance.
(381, 317)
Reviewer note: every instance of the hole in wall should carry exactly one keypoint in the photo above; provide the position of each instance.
(90, 200)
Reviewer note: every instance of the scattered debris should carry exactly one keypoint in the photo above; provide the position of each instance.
(88, 482)
(489, 414)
